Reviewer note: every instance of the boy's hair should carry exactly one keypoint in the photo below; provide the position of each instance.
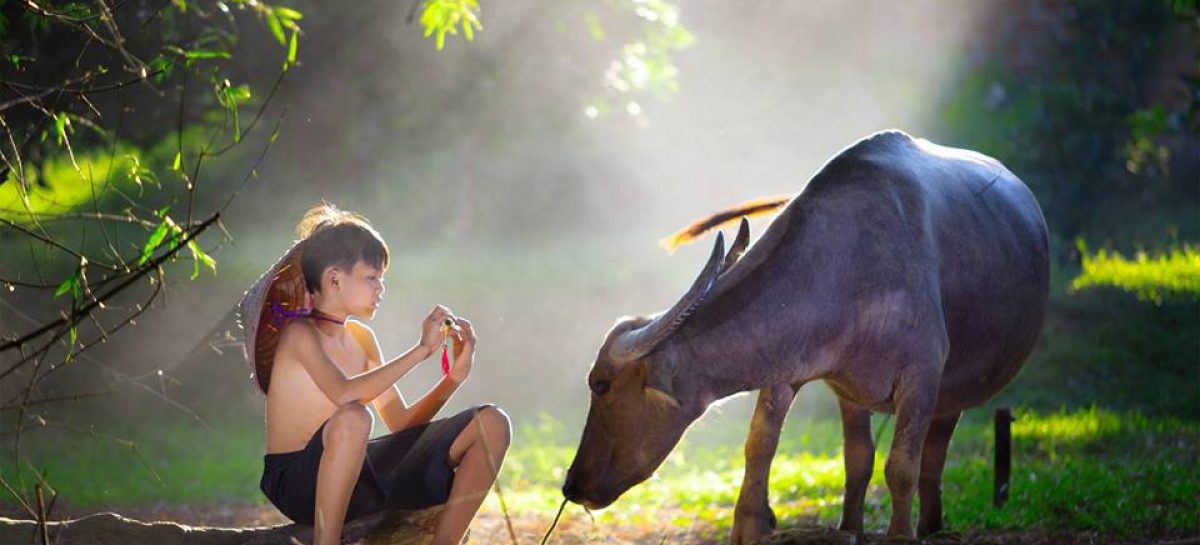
(336, 238)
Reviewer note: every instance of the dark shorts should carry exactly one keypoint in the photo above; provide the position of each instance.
(409, 469)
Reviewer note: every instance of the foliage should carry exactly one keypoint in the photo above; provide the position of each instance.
(101, 101)
(441, 17)
(644, 63)
(51, 179)
(1143, 154)
(1072, 117)
(50, 187)
(1102, 346)
(1174, 274)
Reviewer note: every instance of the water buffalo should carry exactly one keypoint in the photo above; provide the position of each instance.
(909, 277)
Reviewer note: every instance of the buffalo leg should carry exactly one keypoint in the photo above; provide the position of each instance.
(753, 518)
(933, 460)
(859, 454)
(916, 394)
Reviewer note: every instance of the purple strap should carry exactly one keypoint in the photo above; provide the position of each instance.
(278, 314)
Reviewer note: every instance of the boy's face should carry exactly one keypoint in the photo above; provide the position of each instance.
(361, 290)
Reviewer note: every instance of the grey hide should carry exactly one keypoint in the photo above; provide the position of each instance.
(910, 277)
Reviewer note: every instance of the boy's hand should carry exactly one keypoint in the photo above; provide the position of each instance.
(431, 329)
(464, 350)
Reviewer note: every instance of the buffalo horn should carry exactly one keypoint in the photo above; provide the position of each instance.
(639, 342)
(740, 242)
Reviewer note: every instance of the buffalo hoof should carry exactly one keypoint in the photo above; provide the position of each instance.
(851, 527)
(928, 528)
(751, 527)
(900, 535)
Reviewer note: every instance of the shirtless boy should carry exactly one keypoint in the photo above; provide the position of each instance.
(321, 468)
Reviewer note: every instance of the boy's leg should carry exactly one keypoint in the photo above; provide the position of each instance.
(345, 443)
(477, 452)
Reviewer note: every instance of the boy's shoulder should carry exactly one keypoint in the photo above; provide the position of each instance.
(358, 327)
(363, 334)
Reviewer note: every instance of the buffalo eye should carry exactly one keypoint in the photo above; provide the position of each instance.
(600, 387)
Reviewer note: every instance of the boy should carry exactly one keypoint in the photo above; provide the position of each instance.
(319, 368)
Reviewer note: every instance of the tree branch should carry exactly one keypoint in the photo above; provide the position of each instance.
(137, 274)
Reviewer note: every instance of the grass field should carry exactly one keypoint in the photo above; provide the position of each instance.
(1118, 474)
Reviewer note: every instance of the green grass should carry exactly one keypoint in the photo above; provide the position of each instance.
(178, 464)
(1173, 274)
(1117, 473)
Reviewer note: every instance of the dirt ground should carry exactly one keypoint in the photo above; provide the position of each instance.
(491, 529)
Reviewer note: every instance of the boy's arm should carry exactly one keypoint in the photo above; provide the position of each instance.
(391, 406)
(303, 344)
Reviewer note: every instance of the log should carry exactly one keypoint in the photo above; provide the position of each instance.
(386, 528)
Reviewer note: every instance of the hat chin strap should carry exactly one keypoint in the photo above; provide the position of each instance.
(279, 314)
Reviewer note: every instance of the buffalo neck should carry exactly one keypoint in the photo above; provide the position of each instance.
(773, 327)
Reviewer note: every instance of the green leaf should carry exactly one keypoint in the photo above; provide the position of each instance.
(139, 173)
(275, 26)
(177, 165)
(206, 54)
(61, 124)
(441, 17)
(288, 14)
(161, 67)
(172, 241)
(153, 242)
(198, 257)
(241, 93)
(468, 31)
(71, 349)
(291, 54)
(231, 104)
(79, 11)
(72, 285)
(16, 60)
(69, 285)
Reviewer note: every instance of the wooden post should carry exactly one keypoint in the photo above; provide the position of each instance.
(1003, 424)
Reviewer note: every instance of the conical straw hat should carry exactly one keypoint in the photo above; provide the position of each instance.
(280, 288)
